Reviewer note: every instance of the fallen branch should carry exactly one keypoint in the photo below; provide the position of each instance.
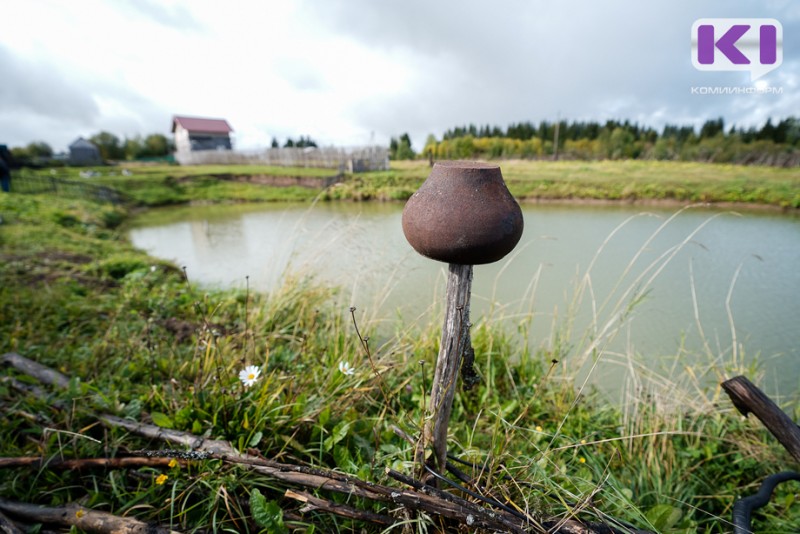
(748, 398)
(30, 389)
(315, 478)
(79, 464)
(40, 372)
(83, 518)
(196, 443)
(316, 503)
(7, 526)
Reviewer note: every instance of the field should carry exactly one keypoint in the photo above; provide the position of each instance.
(139, 343)
(596, 181)
(628, 181)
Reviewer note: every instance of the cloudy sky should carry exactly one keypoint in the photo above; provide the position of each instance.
(351, 72)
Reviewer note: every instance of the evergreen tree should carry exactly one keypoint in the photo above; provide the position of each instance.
(403, 148)
(711, 128)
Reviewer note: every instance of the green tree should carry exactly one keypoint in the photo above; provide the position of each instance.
(275, 143)
(109, 145)
(430, 146)
(133, 148)
(404, 150)
(156, 145)
(620, 143)
(19, 153)
(767, 132)
(39, 149)
(305, 142)
(712, 127)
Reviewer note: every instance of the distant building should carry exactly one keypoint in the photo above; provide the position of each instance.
(83, 152)
(195, 133)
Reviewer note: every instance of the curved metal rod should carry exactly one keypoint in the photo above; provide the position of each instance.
(743, 508)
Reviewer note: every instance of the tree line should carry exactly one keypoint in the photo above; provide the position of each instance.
(302, 142)
(771, 144)
(111, 148)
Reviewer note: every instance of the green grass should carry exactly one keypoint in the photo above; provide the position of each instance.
(159, 185)
(147, 345)
(623, 181)
(631, 180)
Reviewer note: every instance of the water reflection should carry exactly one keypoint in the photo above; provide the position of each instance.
(697, 272)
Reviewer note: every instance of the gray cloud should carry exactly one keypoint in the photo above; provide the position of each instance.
(470, 62)
(511, 61)
(40, 88)
(40, 102)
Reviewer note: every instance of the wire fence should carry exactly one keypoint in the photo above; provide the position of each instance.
(32, 184)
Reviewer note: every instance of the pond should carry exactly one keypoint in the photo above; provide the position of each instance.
(683, 293)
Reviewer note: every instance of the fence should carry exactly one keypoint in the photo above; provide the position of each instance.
(33, 184)
(363, 159)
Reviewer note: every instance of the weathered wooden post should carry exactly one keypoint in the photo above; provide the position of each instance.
(462, 215)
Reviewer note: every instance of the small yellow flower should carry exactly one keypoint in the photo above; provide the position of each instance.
(160, 479)
(538, 428)
(582, 460)
(173, 463)
(583, 442)
(80, 513)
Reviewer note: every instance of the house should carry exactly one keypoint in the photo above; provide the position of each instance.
(83, 152)
(195, 133)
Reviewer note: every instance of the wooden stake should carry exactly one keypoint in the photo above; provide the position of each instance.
(455, 339)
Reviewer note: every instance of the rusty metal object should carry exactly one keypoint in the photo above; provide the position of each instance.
(463, 214)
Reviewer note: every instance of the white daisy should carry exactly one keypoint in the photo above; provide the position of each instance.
(249, 375)
(344, 367)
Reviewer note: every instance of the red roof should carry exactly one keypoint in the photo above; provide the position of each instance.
(197, 124)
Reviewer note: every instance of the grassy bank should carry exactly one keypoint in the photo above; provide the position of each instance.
(625, 181)
(143, 344)
(160, 185)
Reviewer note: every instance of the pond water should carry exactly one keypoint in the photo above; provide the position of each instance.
(718, 289)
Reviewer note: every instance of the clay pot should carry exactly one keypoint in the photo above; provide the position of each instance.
(463, 214)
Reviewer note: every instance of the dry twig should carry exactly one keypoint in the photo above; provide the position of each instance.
(83, 518)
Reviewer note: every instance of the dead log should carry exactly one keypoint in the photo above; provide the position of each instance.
(83, 518)
(749, 399)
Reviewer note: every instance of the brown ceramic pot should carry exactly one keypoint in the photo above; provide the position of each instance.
(463, 214)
